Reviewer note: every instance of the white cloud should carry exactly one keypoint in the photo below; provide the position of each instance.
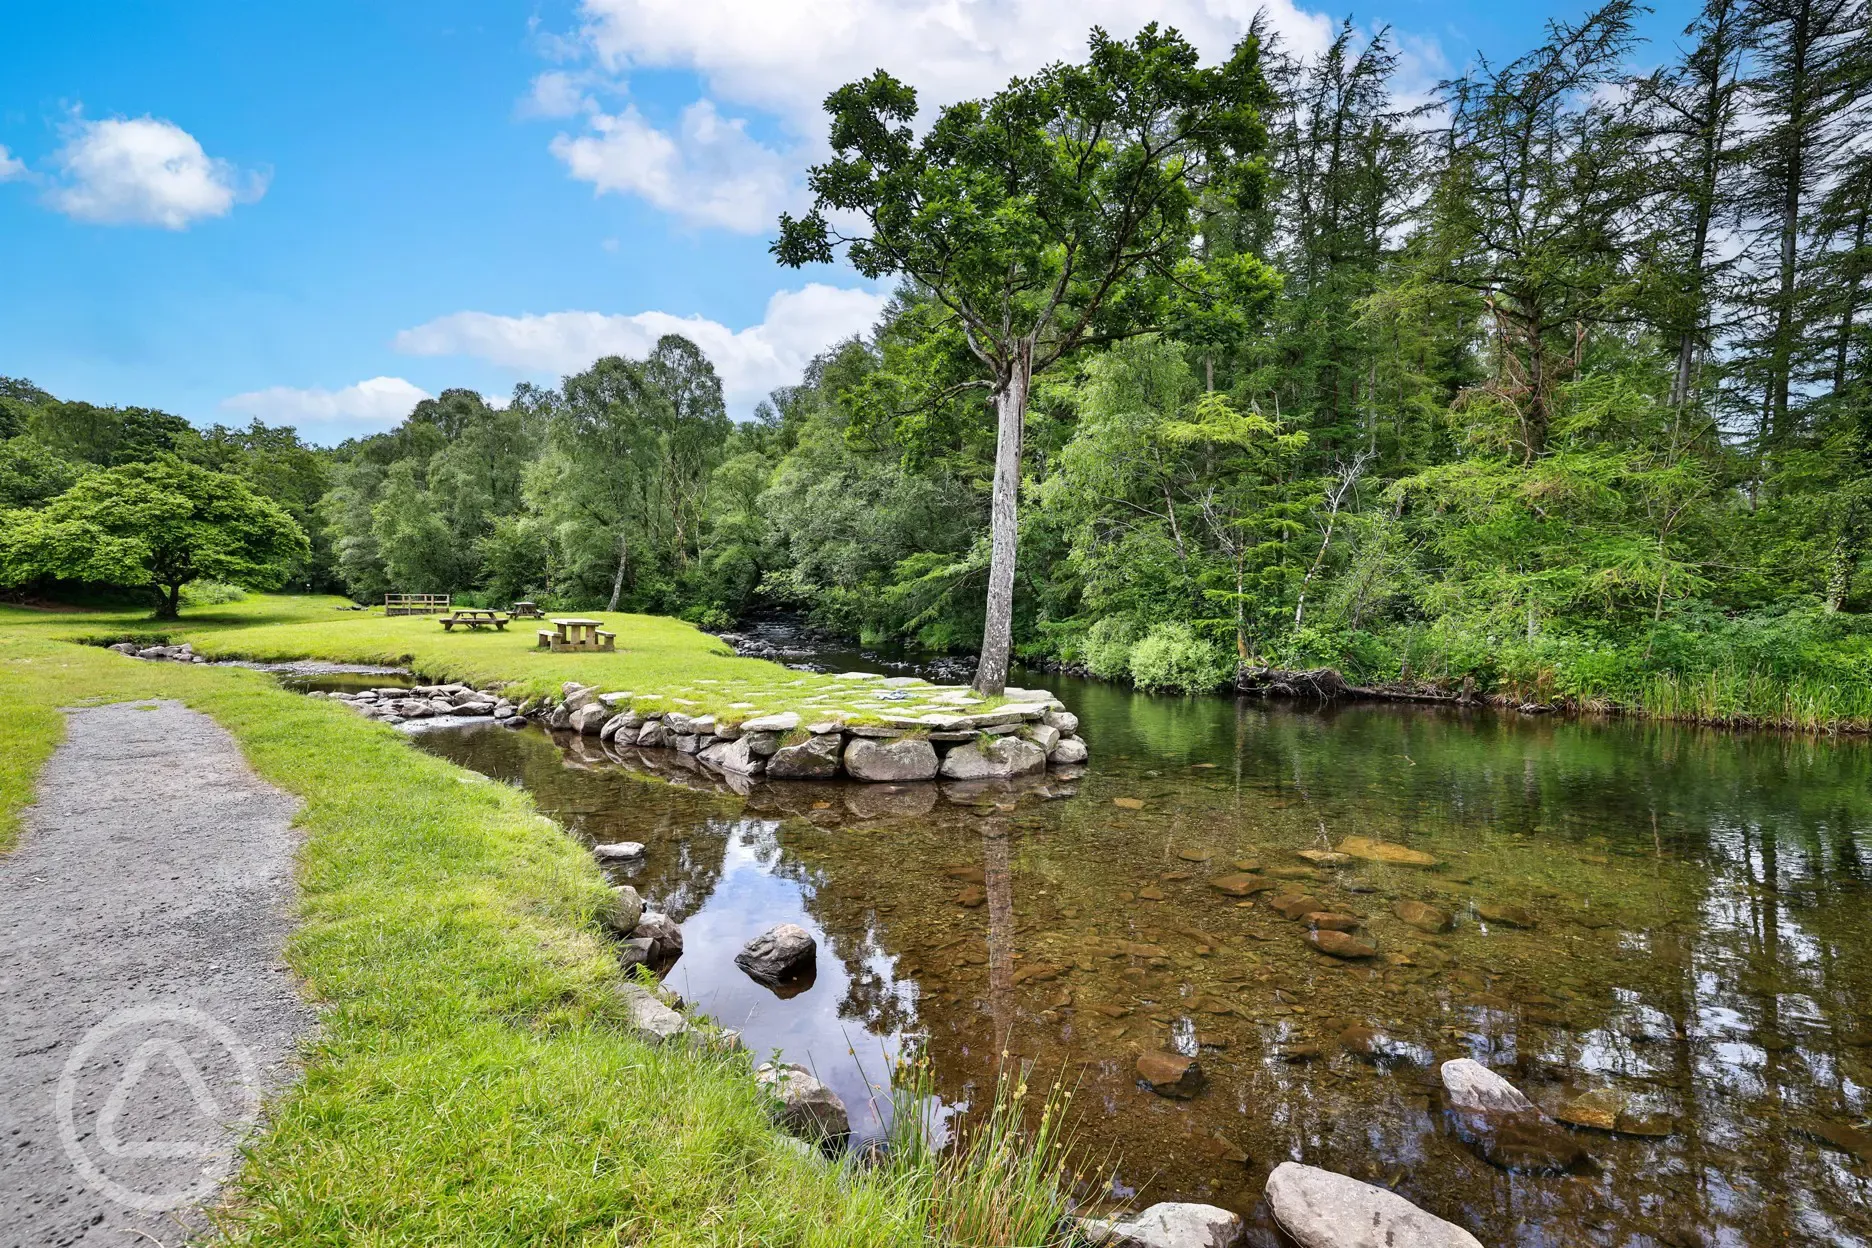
(555, 94)
(144, 171)
(709, 172)
(782, 59)
(378, 401)
(10, 165)
(751, 361)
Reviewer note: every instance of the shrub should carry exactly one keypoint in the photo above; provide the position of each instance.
(211, 593)
(1108, 646)
(1172, 656)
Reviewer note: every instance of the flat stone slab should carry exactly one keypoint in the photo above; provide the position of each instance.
(142, 920)
(1321, 1209)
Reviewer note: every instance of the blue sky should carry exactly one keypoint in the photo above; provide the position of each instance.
(315, 214)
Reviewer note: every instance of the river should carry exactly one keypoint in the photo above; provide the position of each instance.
(1693, 936)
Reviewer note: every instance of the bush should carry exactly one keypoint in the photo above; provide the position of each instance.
(1108, 646)
(211, 593)
(1172, 656)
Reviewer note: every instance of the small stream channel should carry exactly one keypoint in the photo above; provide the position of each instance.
(1693, 936)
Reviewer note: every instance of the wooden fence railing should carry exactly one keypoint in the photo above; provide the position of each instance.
(415, 604)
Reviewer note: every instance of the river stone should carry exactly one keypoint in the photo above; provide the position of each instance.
(763, 744)
(1166, 1225)
(1170, 1074)
(1608, 1109)
(1064, 722)
(1332, 921)
(1504, 916)
(1000, 759)
(1320, 1209)
(1385, 851)
(1293, 905)
(634, 951)
(1239, 884)
(1069, 750)
(653, 734)
(1503, 1125)
(1323, 857)
(1340, 944)
(784, 722)
(625, 852)
(625, 910)
(735, 756)
(578, 697)
(588, 719)
(780, 953)
(676, 721)
(805, 1107)
(814, 759)
(1423, 916)
(664, 936)
(649, 1017)
(907, 758)
(685, 742)
(1374, 1046)
(1041, 735)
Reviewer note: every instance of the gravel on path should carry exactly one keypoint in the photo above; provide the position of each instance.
(145, 1008)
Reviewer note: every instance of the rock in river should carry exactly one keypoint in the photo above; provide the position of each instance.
(907, 758)
(626, 853)
(1385, 851)
(1166, 1225)
(781, 953)
(816, 758)
(804, 1107)
(625, 911)
(1170, 1074)
(1070, 750)
(1423, 916)
(1504, 916)
(664, 936)
(649, 1017)
(1320, 1209)
(1504, 1126)
(1000, 758)
(1240, 884)
(1340, 944)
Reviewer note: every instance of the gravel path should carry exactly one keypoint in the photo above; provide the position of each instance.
(144, 1006)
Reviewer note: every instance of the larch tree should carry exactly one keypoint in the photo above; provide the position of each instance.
(1055, 215)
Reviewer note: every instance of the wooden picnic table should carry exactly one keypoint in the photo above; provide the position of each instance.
(576, 633)
(527, 611)
(475, 618)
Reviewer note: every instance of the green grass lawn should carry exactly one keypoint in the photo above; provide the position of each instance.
(471, 1081)
(657, 658)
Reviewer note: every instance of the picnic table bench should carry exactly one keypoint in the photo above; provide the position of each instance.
(474, 619)
(576, 634)
(527, 611)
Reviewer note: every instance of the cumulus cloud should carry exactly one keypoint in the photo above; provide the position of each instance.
(10, 165)
(708, 172)
(555, 93)
(144, 171)
(783, 59)
(751, 361)
(378, 401)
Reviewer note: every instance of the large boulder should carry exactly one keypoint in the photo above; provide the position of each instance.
(816, 758)
(787, 721)
(1063, 722)
(907, 758)
(779, 954)
(653, 735)
(735, 756)
(649, 1017)
(1321, 1209)
(588, 719)
(624, 722)
(1043, 735)
(1167, 1225)
(1501, 1124)
(1069, 750)
(999, 759)
(802, 1105)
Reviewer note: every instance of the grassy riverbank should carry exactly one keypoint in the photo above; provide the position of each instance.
(471, 1080)
(660, 660)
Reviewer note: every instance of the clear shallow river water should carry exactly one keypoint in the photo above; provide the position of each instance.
(1701, 939)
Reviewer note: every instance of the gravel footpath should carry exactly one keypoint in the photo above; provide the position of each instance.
(144, 1005)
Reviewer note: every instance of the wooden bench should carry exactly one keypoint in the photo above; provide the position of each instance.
(476, 620)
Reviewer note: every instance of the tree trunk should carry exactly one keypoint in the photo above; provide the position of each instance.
(168, 602)
(1010, 419)
(617, 582)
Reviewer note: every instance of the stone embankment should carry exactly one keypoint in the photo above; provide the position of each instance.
(1031, 732)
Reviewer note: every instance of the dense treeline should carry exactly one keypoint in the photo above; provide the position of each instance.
(1562, 385)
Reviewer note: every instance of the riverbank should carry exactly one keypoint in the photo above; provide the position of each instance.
(474, 1077)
